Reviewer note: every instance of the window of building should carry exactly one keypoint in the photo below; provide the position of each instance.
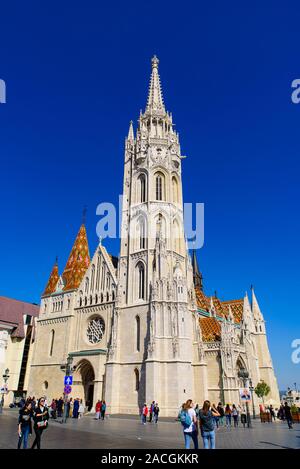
(141, 281)
(52, 336)
(138, 333)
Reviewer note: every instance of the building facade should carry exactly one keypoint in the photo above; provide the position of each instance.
(17, 333)
(141, 328)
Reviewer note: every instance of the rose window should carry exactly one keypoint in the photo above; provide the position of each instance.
(95, 330)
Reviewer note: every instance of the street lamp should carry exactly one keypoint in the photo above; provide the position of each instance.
(5, 377)
(251, 387)
(244, 375)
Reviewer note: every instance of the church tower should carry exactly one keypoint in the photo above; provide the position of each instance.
(151, 343)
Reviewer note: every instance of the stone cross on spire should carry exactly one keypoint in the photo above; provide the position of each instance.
(155, 103)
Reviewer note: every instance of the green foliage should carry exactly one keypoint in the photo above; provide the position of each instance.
(294, 409)
(262, 389)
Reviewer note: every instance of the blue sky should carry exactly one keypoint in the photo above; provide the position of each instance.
(77, 72)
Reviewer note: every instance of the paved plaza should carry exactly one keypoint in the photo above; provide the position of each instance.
(128, 432)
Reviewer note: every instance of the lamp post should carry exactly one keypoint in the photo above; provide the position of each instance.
(5, 377)
(251, 387)
(69, 370)
(244, 375)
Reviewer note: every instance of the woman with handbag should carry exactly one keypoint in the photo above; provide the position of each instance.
(41, 417)
(24, 424)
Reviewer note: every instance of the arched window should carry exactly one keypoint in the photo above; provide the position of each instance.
(175, 190)
(137, 379)
(107, 296)
(159, 186)
(96, 299)
(93, 278)
(142, 233)
(91, 299)
(142, 188)
(52, 335)
(138, 333)
(86, 285)
(141, 281)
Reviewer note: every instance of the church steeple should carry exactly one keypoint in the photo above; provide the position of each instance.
(155, 103)
(53, 279)
(130, 137)
(197, 276)
(78, 262)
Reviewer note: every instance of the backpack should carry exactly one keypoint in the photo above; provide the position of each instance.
(185, 418)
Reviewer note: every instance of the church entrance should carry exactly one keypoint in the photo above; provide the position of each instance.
(87, 374)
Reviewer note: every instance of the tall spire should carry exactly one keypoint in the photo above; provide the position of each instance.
(255, 307)
(78, 262)
(197, 276)
(155, 103)
(53, 279)
(130, 137)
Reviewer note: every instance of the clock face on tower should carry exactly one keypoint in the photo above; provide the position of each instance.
(95, 330)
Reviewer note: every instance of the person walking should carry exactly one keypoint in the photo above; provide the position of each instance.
(25, 424)
(75, 408)
(41, 417)
(156, 412)
(81, 409)
(60, 404)
(98, 409)
(70, 406)
(206, 420)
(220, 409)
(103, 410)
(228, 416)
(144, 414)
(235, 415)
(216, 417)
(288, 415)
(151, 411)
(189, 423)
(273, 417)
(53, 409)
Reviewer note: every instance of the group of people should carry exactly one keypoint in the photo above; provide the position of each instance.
(68, 408)
(226, 415)
(32, 415)
(152, 411)
(100, 409)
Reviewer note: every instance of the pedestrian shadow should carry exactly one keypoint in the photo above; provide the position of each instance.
(274, 444)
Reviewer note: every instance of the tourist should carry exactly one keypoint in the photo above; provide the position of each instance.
(220, 410)
(151, 410)
(75, 408)
(228, 415)
(41, 417)
(273, 416)
(155, 412)
(53, 409)
(81, 409)
(144, 414)
(216, 416)
(288, 415)
(98, 409)
(60, 404)
(235, 415)
(25, 424)
(189, 423)
(103, 410)
(70, 407)
(206, 420)
(243, 416)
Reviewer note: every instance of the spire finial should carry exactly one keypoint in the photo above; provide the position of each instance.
(130, 136)
(155, 62)
(56, 260)
(84, 215)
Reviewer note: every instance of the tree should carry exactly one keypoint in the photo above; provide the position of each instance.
(262, 389)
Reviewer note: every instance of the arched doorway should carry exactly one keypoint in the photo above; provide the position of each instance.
(87, 374)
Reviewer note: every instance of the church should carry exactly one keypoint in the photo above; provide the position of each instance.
(140, 327)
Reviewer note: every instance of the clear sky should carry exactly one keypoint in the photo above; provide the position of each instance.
(77, 72)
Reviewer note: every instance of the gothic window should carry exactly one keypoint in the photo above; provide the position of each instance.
(98, 273)
(142, 233)
(142, 188)
(113, 295)
(86, 285)
(80, 302)
(159, 186)
(91, 299)
(93, 278)
(107, 296)
(101, 297)
(85, 301)
(95, 330)
(138, 332)
(141, 281)
(175, 190)
(69, 301)
(137, 379)
(52, 335)
(96, 299)
(45, 308)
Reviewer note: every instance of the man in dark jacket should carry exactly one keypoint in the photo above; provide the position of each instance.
(288, 415)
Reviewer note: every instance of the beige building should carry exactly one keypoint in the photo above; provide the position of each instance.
(16, 344)
(140, 328)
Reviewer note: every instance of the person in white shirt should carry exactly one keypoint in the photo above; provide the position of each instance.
(189, 423)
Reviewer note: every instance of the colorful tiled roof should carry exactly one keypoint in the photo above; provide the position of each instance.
(221, 307)
(236, 309)
(52, 282)
(78, 261)
(211, 329)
